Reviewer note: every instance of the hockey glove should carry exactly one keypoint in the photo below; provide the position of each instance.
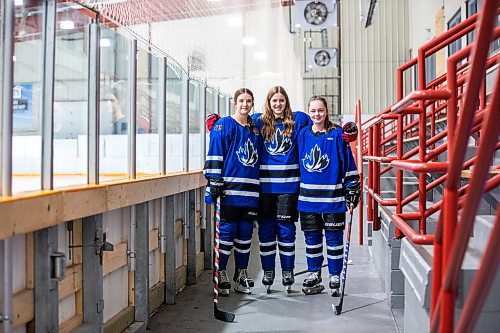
(210, 120)
(350, 131)
(352, 196)
(216, 188)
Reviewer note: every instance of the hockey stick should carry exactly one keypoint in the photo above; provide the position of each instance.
(218, 314)
(337, 309)
(305, 270)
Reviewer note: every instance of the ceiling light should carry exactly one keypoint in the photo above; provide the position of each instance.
(248, 41)
(234, 21)
(67, 25)
(19, 2)
(105, 42)
(259, 56)
(14, 58)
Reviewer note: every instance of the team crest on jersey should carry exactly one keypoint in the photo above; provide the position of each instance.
(280, 145)
(247, 154)
(315, 162)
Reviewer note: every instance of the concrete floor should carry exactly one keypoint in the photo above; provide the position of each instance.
(365, 305)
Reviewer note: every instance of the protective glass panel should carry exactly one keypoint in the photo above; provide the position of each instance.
(175, 143)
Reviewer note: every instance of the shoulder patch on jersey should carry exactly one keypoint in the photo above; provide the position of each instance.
(280, 145)
(247, 155)
(314, 161)
(217, 127)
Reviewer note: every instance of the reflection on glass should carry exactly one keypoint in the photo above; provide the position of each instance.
(113, 140)
(70, 97)
(194, 126)
(175, 144)
(27, 142)
(209, 110)
(148, 159)
(222, 106)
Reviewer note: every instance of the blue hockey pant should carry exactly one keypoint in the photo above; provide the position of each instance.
(238, 234)
(272, 232)
(334, 252)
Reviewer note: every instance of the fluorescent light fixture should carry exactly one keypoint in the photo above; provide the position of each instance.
(19, 2)
(248, 41)
(14, 58)
(67, 25)
(234, 21)
(105, 42)
(259, 56)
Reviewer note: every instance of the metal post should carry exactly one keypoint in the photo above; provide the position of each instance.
(94, 104)
(46, 290)
(170, 265)
(185, 121)
(191, 223)
(48, 95)
(6, 265)
(132, 87)
(93, 299)
(208, 237)
(203, 128)
(216, 102)
(141, 281)
(163, 225)
(131, 243)
(162, 114)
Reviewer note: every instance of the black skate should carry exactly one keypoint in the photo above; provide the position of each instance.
(224, 284)
(312, 284)
(287, 280)
(267, 280)
(244, 284)
(335, 285)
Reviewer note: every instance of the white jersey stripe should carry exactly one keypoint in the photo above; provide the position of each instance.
(320, 187)
(286, 244)
(335, 257)
(315, 255)
(325, 200)
(215, 158)
(239, 241)
(280, 180)
(287, 253)
(317, 246)
(225, 242)
(212, 171)
(268, 243)
(242, 193)
(333, 248)
(351, 173)
(279, 167)
(241, 251)
(225, 252)
(241, 180)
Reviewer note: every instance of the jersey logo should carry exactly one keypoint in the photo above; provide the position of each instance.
(315, 162)
(247, 155)
(280, 145)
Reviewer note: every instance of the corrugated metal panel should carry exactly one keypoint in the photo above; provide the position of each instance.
(370, 56)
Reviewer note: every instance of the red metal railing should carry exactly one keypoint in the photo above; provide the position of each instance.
(452, 98)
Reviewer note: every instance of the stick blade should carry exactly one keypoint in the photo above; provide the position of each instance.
(222, 315)
(337, 309)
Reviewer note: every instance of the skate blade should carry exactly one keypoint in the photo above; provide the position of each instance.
(268, 288)
(288, 289)
(246, 291)
(224, 292)
(313, 291)
(335, 293)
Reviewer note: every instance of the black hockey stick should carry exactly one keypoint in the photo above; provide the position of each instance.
(306, 271)
(337, 309)
(218, 314)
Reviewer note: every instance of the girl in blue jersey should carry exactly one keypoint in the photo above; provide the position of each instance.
(279, 184)
(329, 187)
(232, 171)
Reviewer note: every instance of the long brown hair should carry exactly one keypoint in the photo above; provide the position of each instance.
(329, 125)
(268, 117)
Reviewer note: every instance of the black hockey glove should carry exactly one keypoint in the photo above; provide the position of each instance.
(216, 188)
(352, 196)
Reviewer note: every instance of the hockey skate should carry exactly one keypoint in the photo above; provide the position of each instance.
(268, 280)
(335, 285)
(312, 284)
(224, 284)
(244, 284)
(287, 280)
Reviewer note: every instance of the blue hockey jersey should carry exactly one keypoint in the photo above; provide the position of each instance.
(279, 169)
(327, 168)
(234, 154)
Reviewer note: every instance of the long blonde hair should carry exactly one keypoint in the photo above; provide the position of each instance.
(329, 125)
(268, 117)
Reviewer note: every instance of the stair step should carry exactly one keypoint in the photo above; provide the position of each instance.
(482, 230)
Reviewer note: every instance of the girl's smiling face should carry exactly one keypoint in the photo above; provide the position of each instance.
(278, 104)
(317, 111)
(244, 104)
